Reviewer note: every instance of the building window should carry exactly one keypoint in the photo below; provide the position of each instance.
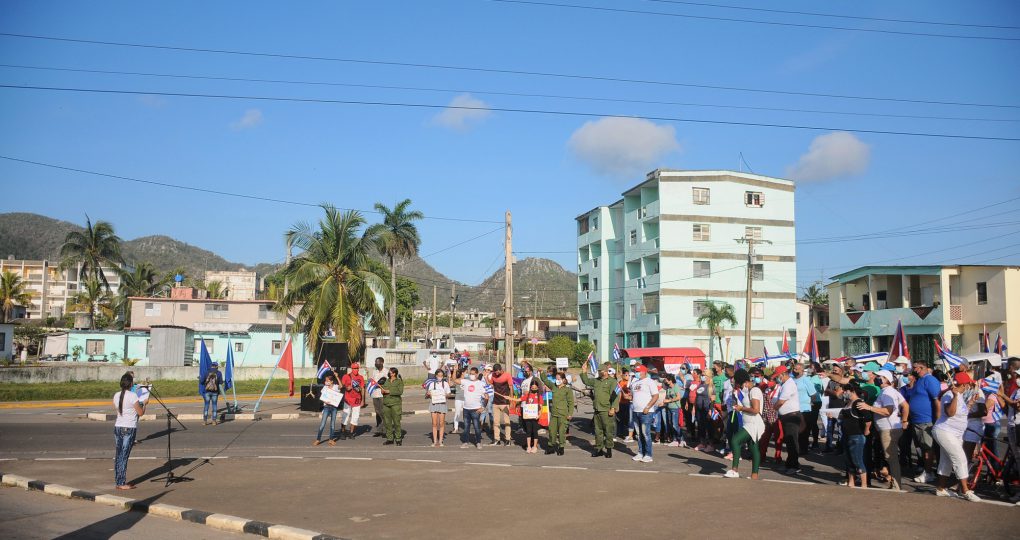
(700, 307)
(753, 198)
(276, 347)
(266, 312)
(148, 347)
(757, 272)
(982, 292)
(702, 232)
(633, 311)
(633, 237)
(752, 233)
(594, 284)
(184, 307)
(702, 269)
(3, 341)
(238, 346)
(758, 311)
(595, 223)
(152, 309)
(798, 317)
(95, 346)
(701, 195)
(216, 311)
(823, 318)
(208, 345)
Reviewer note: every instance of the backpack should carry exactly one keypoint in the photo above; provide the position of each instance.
(210, 383)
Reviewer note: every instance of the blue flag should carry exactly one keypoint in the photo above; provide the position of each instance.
(204, 365)
(228, 379)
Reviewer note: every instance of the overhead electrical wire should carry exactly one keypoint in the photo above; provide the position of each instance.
(503, 71)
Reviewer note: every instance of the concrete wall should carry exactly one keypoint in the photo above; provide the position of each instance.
(6, 341)
(112, 373)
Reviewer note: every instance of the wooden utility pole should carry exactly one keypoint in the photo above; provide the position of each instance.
(508, 302)
(750, 241)
(286, 288)
(432, 324)
(453, 309)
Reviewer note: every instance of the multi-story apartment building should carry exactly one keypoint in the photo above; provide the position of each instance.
(238, 285)
(960, 303)
(650, 262)
(51, 287)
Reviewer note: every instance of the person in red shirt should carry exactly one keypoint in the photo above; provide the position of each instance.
(531, 407)
(354, 400)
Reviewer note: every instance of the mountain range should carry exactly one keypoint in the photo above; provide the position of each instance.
(549, 288)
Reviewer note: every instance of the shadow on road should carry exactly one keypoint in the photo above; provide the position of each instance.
(707, 466)
(110, 526)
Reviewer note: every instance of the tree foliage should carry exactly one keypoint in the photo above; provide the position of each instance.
(92, 248)
(13, 292)
(581, 351)
(560, 347)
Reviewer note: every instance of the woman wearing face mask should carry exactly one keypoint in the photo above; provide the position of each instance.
(748, 400)
(438, 392)
(561, 408)
(948, 432)
(393, 391)
(531, 406)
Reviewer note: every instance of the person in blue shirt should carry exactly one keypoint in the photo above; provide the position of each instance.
(922, 395)
(806, 391)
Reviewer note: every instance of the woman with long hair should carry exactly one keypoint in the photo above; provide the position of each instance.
(129, 408)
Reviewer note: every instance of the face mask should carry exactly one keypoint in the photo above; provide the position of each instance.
(559, 382)
(472, 377)
(534, 389)
(757, 380)
(904, 380)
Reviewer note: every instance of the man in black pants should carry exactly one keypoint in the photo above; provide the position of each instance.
(788, 407)
(377, 396)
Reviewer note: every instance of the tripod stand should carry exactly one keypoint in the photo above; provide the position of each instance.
(170, 477)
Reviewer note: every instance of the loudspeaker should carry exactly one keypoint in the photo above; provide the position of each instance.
(311, 402)
(336, 353)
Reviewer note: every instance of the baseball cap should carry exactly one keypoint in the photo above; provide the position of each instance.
(872, 366)
(641, 369)
(779, 370)
(611, 371)
(886, 374)
(355, 366)
(889, 366)
(633, 361)
(962, 377)
(902, 360)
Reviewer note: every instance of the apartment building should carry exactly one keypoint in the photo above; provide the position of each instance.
(650, 262)
(238, 285)
(960, 302)
(51, 287)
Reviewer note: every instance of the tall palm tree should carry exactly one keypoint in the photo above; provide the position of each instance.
(816, 295)
(398, 238)
(333, 278)
(12, 292)
(142, 281)
(93, 299)
(714, 316)
(92, 248)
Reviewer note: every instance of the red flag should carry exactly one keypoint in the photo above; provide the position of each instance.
(786, 344)
(287, 363)
(899, 344)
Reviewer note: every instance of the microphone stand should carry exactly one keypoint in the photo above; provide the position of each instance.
(170, 476)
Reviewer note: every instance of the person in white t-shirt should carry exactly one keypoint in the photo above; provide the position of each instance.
(378, 374)
(129, 408)
(948, 432)
(749, 401)
(891, 413)
(472, 390)
(438, 392)
(645, 392)
(788, 406)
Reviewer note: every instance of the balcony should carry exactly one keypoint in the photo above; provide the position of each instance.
(649, 211)
(883, 321)
(644, 322)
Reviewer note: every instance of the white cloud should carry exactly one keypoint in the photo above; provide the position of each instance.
(463, 113)
(620, 146)
(250, 119)
(833, 155)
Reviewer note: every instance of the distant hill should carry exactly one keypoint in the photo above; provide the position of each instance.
(31, 236)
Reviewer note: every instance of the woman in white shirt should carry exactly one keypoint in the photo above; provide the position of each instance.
(747, 400)
(891, 412)
(438, 392)
(129, 408)
(948, 432)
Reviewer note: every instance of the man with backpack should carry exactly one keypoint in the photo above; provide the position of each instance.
(211, 394)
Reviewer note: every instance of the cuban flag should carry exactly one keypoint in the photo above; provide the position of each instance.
(429, 382)
(616, 351)
(811, 346)
(371, 386)
(324, 369)
(593, 364)
(899, 344)
(953, 360)
(1000, 346)
(939, 347)
(489, 392)
(984, 340)
(989, 385)
(713, 414)
(997, 412)
(786, 343)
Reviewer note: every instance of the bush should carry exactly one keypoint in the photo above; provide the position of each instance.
(559, 347)
(581, 351)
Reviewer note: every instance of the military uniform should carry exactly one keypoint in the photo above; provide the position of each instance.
(605, 398)
(392, 408)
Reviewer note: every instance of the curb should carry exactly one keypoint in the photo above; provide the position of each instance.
(222, 522)
(107, 417)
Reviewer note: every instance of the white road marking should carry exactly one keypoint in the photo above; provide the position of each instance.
(637, 471)
(419, 460)
(795, 482)
(140, 457)
(489, 464)
(704, 475)
(352, 458)
(60, 459)
(279, 457)
(564, 467)
(9, 459)
(997, 503)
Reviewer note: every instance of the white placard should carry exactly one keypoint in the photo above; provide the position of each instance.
(673, 368)
(562, 363)
(529, 411)
(330, 396)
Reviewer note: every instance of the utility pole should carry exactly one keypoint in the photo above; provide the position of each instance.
(750, 241)
(453, 308)
(286, 288)
(432, 325)
(508, 303)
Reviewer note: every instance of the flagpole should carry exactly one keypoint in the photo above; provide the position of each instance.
(233, 370)
(259, 402)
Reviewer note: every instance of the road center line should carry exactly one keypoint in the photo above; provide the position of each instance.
(489, 464)
(704, 475)
(60, 459)
(352, 458)
(141, 457)
(279, 457)
(564, 467)
(795, 482)
(637, 471)
(419, 460)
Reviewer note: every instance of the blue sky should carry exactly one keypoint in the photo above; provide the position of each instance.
(546, 169)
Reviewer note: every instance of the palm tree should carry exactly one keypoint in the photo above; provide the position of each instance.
(216, 290)
(12, 292)
(714, 315)
(816, 295)
(398, 237)
(142, 281)
(91, 249)
(93, 299)
(334, 279)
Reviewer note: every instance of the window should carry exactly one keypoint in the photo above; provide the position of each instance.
(798, 317)
(238, 346)
(701, 195)
(702, 269)
(757, 272)
(216, 311)
(95, 346)
(633, 311)
(152, 309)
(3, 341)
(184, 307)
(595, 223)
(881, 295)
(633, 237)
(148, 347)
(753, 198)
(594, 284)
(758, 311)
(702, 232)
(982, 293)
(276, 347)
(700, 307)
(823, 318)
(208, 345)
(752, 233)
(266, 312)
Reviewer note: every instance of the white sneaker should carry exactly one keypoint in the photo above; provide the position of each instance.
(638, 457)
(674, 444)
(943, 493)
(646, 459)
(683, 445)
(732, 474)
(629, 440)
(971, 496)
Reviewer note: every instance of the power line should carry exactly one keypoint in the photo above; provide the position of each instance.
(504, 93)
(834, 15)
(211, 191)
(495, 70)
(547, 112)
(750, 21)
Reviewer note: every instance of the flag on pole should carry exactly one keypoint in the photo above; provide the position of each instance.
(811, 346)
(616, 351)
(984, 339)
(899, 344)
(1000, 346)
(593, 364)
(996, 412)
(286, 363)
(786, 343)
(204, 365)
(324, 369)
(371, 386)
(713, 414)
(939, 347)
(990, 385)
(228, 370)
(429, 382)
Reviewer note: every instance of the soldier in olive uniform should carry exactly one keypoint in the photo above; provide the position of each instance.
(561, 409)
(393, 391)
(606, 400)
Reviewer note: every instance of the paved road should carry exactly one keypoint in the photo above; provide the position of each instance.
(31, 515)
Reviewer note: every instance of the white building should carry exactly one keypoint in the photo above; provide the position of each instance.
(239, 285)
(648, 263)
(51, 287)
